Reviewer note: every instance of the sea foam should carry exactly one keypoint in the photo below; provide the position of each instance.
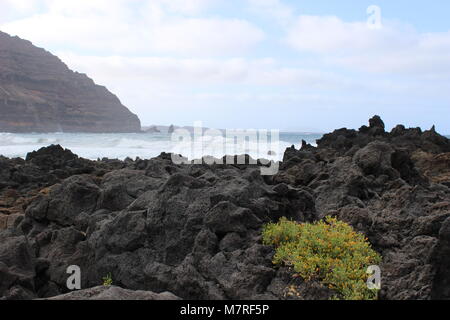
(144, 146)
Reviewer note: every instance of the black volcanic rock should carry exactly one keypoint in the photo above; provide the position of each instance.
(190, 230)
(376, 122)
(38, 93)
(393, 187)
(348, 141)
(195, 230)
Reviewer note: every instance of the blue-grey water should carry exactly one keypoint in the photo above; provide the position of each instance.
(144, 145)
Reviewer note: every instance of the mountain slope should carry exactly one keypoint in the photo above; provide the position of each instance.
(39, 93)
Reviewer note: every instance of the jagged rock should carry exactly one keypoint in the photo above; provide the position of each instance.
(153, 129)
(376, 122)
(441, 257)
(157, 226)
(399, 130)
(375, 159)
(434, 167)
(38, 93)
(16, 265)
(383, 185)
(66, 201)
(345, 141)
(195, 230)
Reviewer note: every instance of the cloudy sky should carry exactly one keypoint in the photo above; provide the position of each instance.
(275, 64)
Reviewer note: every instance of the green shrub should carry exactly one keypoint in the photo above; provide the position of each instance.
(329, 251)
(107, 281)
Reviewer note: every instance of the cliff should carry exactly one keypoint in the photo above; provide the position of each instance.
(39, 93)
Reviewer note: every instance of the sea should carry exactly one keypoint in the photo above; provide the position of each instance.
(149, 145)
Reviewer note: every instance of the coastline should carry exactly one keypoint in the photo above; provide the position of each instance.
(122, 146)
(195, 230)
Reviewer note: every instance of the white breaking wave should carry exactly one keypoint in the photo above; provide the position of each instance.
(144, 146)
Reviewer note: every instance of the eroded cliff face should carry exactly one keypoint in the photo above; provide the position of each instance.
(39, 93)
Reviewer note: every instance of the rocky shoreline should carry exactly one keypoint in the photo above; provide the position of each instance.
(195, 230)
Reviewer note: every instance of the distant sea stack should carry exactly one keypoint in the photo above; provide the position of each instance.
(39, 93)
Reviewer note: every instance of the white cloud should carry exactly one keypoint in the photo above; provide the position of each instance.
(181, 59)
(394, 48)
(138, 27)
(11, 9)
(174, 71)
(206, 36)
(273, 9)
(19, 5)
(328, 34)
(189, 7)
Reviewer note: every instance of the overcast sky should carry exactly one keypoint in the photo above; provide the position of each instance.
(275, 64)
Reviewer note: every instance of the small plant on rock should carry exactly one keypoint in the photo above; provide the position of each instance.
(107, 281)
(329, 251)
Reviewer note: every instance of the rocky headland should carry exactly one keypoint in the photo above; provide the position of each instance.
(39, 93)
(195, 230)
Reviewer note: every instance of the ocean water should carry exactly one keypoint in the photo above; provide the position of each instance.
(146, 145)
